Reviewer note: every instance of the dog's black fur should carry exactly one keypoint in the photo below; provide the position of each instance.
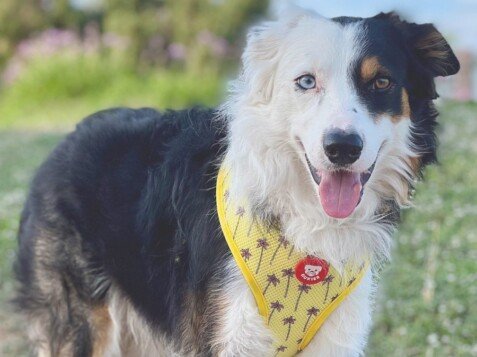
(128, 196)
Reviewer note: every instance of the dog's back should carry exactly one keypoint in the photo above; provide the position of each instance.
(104, 210)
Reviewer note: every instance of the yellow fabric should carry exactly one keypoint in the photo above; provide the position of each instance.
(294, 311)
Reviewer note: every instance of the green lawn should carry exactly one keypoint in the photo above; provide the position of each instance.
(20, 153)
(426, 297)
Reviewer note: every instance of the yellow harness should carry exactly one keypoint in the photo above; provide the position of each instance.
(294, 292)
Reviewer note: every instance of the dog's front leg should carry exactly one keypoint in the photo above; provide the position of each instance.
(242, 330)
(345, 331)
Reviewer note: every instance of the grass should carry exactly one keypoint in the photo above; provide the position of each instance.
(426, 297)
(20, 153)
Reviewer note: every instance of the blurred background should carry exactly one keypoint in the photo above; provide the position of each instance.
(61, 60)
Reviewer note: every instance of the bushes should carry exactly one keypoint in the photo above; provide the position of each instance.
(66, 61)
(58, 91)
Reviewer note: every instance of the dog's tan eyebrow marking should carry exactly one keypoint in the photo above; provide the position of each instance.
(370, 67)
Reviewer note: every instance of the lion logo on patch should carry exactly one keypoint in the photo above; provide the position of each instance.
(312, 270)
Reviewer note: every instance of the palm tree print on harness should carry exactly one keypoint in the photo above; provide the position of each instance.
(290, 320)
(274, 306)
(245, 253)
(282, 241)
(287, 273)
(271, 280)
(328, 280)
(240, 212)
(280, 349)
(302, 289)
(312, 311)
(263, 245)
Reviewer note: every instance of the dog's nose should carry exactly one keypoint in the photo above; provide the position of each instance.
(342, 147)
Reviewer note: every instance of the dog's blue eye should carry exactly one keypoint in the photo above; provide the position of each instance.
(306, 81)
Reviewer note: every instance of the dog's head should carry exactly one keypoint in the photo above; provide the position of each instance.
(351, 97)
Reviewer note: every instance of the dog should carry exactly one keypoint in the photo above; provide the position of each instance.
(324, 132)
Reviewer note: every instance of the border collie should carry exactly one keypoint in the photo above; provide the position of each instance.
(325, 130)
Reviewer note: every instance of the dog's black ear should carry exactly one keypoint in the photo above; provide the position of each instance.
(433, 50)
(427, 44)
(431, 55)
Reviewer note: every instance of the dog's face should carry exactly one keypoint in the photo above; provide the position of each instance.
(347, 95)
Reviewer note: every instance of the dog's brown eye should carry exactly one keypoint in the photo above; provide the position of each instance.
(381, 83)
(306, 82)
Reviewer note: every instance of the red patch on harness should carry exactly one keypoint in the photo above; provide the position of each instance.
(311, 270)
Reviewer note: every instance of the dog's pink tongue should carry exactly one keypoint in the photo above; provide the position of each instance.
(339, 193)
